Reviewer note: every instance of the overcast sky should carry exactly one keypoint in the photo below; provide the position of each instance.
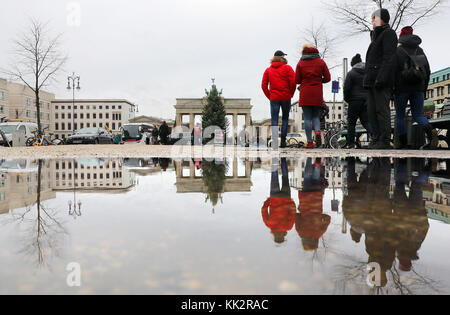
(154, 51)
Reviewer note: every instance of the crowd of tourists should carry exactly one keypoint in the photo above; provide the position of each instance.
(396, 68)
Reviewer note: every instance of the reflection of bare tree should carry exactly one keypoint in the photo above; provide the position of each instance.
(354, 273)
(43, 231)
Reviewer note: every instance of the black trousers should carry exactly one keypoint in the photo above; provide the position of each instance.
(357, 110)
(380, 114)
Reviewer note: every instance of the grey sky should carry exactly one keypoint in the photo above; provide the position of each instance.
(154, 51)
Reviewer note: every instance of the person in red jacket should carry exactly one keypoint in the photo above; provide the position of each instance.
(312, 72)
(278, 212)
(279, 86)
(311, 223)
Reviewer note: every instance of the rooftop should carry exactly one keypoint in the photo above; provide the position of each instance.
(441, 75)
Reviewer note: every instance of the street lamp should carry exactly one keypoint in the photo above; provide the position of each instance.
(74, 212)
(75, 80)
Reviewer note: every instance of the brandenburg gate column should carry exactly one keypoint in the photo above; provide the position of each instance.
(178, 120)
(235, 126)
(191, 122)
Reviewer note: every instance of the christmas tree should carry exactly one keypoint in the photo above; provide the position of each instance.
(214, 113)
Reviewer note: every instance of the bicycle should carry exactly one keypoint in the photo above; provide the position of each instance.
(38, 140)
(334, 138)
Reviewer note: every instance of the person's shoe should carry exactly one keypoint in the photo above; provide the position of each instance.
(318, 139)
(283, 143)
(432, 138)
(310, 145)
(382, 146)
(318, 162)
(350, 146)
(372, 145)
(403, 145)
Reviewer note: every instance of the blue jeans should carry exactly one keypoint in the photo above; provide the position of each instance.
(275, 112)
(311, 116)
(416, 100)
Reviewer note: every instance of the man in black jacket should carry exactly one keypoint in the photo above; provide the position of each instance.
(164, 133)
(356, 97)
(379, 78)
(414, 92)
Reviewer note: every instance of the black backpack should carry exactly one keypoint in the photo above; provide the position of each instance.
(414, 68)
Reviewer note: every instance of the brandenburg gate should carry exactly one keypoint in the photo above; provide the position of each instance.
(192, 107)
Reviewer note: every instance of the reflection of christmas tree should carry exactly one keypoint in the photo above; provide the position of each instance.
(214, 113)
(214, 180)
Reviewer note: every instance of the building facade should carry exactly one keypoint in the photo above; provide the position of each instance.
(336, 113)
(4, 99)
(20, 104)
(439, 87)
(68, 117)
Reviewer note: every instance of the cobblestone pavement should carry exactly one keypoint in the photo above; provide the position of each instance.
(141, 151)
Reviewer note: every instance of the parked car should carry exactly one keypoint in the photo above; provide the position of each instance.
(9, 128)
(91, 136)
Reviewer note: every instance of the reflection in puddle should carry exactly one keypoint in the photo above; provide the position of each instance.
(270, 226)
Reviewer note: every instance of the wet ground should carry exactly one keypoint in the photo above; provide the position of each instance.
(270, 225)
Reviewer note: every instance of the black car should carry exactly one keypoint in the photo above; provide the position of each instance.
(91, 136)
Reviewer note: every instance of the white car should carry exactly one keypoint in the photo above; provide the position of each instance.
(9, 128)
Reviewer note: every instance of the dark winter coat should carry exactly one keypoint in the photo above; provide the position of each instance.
(380, 58)
(354, 90)
(312, 72)
(164, 131)
(410, 43)
(278, 81)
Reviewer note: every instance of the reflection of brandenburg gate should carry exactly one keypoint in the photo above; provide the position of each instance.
(190, 182)
(192, 107)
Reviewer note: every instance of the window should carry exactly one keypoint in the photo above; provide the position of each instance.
(100, 116)
(56, 115)
(69, 126)
(27, 113)
(69, 116)
(75, 116)
(81, 115)
(28, 101)
(56, 126)
(100, 107)
(2, 95)
(63, 116)
(107, 114)
(63, 127)
(88, 116)
(94, 115)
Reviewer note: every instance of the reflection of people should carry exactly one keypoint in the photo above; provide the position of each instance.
(394, 229)
(355, 200)
(164, 163)
(155, 134)
(411, 213)
(278, 212)
(311, 223)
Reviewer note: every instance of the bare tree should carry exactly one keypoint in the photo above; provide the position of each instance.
(320, 37)
(355, 15)
(37, 59)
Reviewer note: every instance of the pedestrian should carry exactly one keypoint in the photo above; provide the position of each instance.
(155, 134)
(412, 75)
(379, 80)
(278, 85)
(278, 211)
(324, 112)
(311, 223)
(312, 72)
(355, 95)
(197, 134)
(164, 133)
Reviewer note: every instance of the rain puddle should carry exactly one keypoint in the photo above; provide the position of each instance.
(225, 226)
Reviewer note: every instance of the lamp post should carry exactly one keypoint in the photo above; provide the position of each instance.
(74, 212)
(75, 81)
